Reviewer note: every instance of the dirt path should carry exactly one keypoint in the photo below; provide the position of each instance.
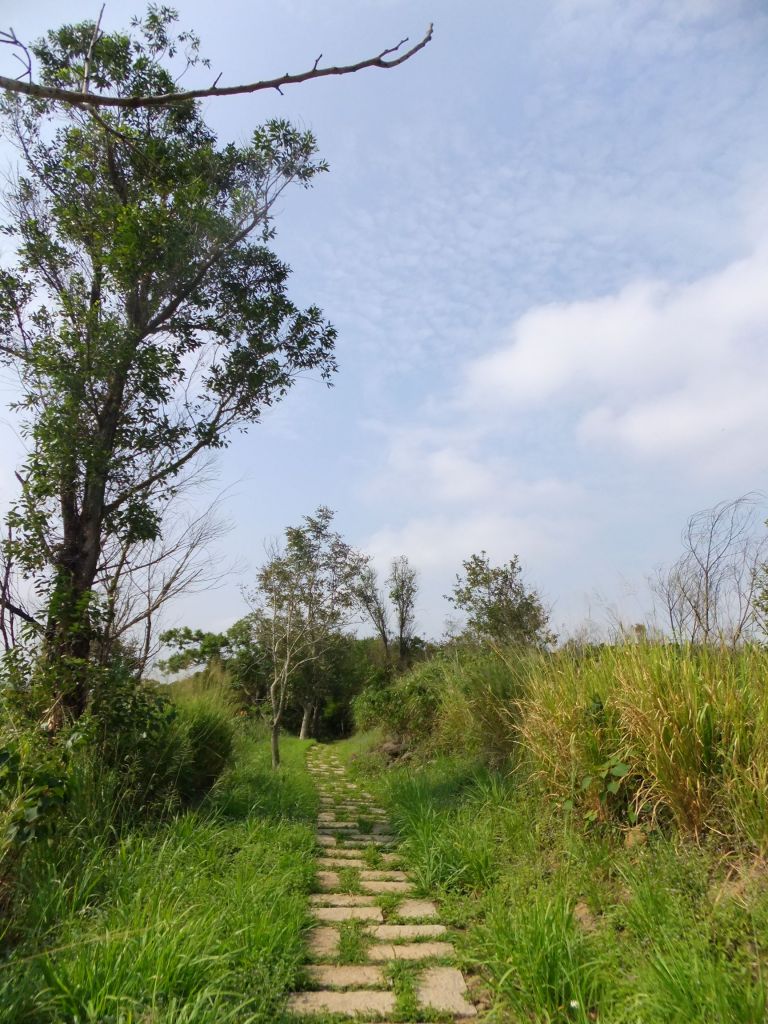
(376, 950)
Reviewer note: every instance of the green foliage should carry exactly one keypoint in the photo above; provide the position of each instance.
(210, 737)
(498, 606)
(563, 924)
(146, 323)
(198, 920)
(656, 735)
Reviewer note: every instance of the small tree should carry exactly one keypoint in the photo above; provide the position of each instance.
(498, 605)
(304, 596)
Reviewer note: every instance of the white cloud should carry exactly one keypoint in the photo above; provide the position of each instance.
(659, 368)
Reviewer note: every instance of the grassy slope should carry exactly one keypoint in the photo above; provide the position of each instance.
(564, 924)
(193, 922)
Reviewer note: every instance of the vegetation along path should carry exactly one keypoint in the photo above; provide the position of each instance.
(375, 950)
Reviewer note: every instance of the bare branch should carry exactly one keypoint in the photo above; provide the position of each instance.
(384, 60)
(89, 55)
(11, 39)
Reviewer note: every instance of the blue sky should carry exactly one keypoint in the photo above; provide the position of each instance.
(544, 243)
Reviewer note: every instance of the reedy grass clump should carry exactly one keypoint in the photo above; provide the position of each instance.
(633, 734)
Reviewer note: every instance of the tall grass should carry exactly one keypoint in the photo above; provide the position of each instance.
(562, 924)
(639, 733)
(196, 920)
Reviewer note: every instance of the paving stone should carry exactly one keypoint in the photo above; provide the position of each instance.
(348, 914)
(323, 941)
(406, 931)
(367, 840)
(341, 899)
(347, 852)
(410, 951)
(443, 988)
(384, 876)
(325, 840)
(350, 1004)
(344, 977)
(382, 887)
(390, 858)
(416, 908)
(334, 825)
(340, 862)
(328, 880)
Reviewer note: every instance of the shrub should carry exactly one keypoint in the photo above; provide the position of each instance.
(209, 735)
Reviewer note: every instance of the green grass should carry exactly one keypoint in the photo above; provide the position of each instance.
(567, 924)
(195, 921)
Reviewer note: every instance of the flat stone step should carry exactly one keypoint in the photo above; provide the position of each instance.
(368, 885)
(326, 840)
(323, 941)
(384, 876)
(393, 932)
(341, 899)
(328, 880)
(348, 1004)
(347, 852)
(348, 914)
(357, 975)
(443, 988)
(416, 909)
(340, 862)
(410, 951)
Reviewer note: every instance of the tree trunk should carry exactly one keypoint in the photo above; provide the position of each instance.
(306, 721)
(275, 744)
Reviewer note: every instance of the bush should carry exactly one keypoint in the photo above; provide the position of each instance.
(208, 732)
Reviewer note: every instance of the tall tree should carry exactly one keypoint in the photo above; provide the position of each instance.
(304, 596)
(146, 315)
(498, 605)
(403, 587)
(373, 605)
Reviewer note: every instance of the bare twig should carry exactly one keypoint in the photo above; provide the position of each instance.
(11, 39)
(384, 60)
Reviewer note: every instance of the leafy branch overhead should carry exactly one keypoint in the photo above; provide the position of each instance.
(74, 87)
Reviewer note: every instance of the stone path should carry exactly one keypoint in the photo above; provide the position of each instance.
(377, 951)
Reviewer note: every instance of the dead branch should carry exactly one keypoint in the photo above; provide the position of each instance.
(384, 60)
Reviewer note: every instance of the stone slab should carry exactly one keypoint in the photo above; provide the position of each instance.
(384, 876)
(410, 951)
(348, 914)
(348, 1004)
(341, 899)
(323, 941)
(416, 909)
(369, 885)
(328, 880)
(394, 932)
(340, 862)
(443, 988)
(326, 840)
(355, 975)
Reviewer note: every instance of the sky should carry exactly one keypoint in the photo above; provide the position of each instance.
(544, 244)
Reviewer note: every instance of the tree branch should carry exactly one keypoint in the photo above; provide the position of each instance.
(85, 99)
